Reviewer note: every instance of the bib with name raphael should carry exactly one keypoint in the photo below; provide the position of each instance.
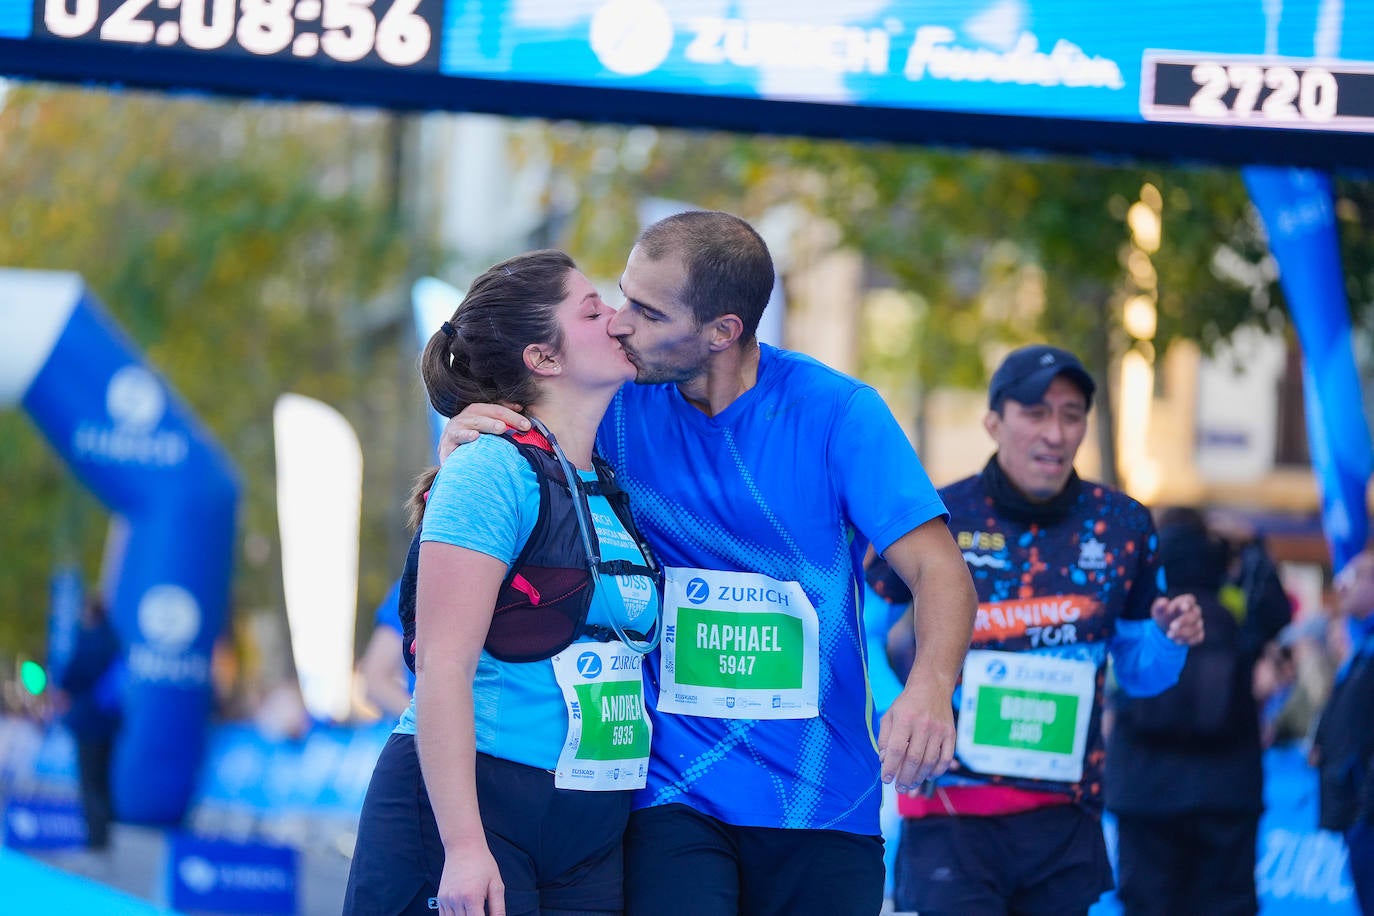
(607, 748)
(1025, 714)
(738, 646)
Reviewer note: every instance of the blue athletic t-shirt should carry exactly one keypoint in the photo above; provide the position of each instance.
(486, 498)
(791, 481)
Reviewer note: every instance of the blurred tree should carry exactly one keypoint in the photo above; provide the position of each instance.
(237, 244)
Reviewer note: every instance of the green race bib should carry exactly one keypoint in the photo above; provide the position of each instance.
(738, 646)
(1025, 719)
(607, 747)
(613, 723)
(739, 650)
(1025, 714)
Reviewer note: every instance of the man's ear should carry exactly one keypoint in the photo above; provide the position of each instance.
(725, 332)
(542, 360)
(992, 421)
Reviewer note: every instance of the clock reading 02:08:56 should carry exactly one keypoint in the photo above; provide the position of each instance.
(394, 33)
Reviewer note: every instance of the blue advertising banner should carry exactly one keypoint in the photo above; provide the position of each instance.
(1301, 870)
(44, 823)
(327, 771)
(324, 773)
(217, 876)
(139, 449)
(1298, 212)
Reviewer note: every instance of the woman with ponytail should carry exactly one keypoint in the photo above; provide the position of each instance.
(506, 785)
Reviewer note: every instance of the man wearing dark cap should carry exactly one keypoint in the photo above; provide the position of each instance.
(1066, 573)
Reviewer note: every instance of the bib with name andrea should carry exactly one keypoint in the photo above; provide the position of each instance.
(607, 747)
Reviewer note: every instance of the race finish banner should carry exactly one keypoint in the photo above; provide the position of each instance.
(1227, 80)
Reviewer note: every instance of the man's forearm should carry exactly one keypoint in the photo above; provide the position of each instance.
(944, 606)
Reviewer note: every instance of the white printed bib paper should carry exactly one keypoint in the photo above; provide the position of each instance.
(607, 748)
(738, 646)
(1026, 715)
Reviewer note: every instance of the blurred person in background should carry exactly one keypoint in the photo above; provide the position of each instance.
(1183, 769)
(387, 681)
(90, 686)
(1343, 745)
(1293, 679)
(1252, 590)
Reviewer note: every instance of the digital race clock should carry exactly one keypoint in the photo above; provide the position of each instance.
(389, 33)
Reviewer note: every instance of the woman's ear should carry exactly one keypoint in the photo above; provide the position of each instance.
(542, 360)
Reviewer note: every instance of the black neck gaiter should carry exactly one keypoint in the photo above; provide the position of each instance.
(1012, 504)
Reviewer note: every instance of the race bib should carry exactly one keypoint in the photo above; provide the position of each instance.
(1025, 715)
(738, 646)
(607, 748)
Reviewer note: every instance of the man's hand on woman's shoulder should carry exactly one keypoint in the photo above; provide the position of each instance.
(476, 419)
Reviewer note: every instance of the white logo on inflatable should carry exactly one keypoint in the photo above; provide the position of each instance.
(631, 37)
(136, 402)
(169, 617)
(135, 399)
(197, 874)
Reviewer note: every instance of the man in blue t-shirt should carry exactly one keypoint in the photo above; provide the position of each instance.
(760, 477)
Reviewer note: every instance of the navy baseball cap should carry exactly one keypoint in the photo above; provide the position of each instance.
(1025, 375)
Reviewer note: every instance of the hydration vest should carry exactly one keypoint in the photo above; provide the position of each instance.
(548, 589)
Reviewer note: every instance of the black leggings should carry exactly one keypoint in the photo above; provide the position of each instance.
(559, 850)
(680, 862)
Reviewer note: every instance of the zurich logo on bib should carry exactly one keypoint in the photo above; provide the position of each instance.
(698, 591)
(589, 664)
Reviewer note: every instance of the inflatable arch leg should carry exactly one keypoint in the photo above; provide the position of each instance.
(141, 452)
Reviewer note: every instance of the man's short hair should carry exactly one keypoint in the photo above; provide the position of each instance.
(1026, 373)
(729, 269)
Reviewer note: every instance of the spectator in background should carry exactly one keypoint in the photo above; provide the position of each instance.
(91, 683)
(1293, 679)
(1343, 746)
(1183, 771)
(387, 682)
(1253, 591)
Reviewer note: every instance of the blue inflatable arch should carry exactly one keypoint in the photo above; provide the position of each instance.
(127, 437)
